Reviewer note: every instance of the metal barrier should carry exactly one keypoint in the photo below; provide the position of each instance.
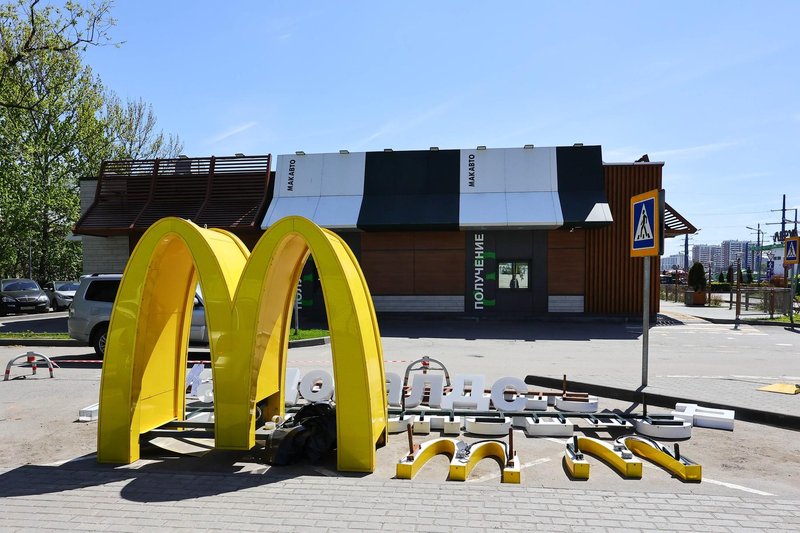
(30, 357)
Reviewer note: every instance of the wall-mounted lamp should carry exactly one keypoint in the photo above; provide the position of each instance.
(528, 147)
(481, 147)
(387, 149)
(299, 152)
(239, 154)
(343, 152)
(578, 144)
(183, 156)
(434, 148)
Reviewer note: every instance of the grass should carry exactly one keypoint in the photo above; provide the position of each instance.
(307, 334)
(781, 319)
(32, 335)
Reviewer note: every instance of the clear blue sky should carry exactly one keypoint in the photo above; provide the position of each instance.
(710, 88)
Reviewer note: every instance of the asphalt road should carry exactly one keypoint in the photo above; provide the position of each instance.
(55, 322)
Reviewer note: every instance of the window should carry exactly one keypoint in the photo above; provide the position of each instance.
(102, 290)
(513, 275)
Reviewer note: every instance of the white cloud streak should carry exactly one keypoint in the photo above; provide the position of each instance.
(231, 132)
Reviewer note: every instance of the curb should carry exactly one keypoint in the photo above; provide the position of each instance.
(42, 342)
(745, 321)
(302, 343)
(744, 414)
(317, 341)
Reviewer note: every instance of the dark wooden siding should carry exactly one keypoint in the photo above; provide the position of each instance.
(613, 278)
(407, 263)
(566, 262)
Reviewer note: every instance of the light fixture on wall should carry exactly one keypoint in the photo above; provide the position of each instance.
(387, 149)
(434, 148)
(578, 144)
(239, 154)
(528, 147)
(299, 152)
(481, 147)
(344, 152)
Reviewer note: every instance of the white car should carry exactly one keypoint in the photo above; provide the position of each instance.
(60, 293)
(90, 312)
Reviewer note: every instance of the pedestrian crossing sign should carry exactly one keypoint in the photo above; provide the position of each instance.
(647, 211)
(790, 249)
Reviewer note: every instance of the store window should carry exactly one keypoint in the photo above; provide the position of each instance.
(513, 275)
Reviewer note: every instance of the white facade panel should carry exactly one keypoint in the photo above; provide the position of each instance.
(298, 175)
(482, 171)
(343, 174)
(304, 206)
(565, 304)
(419, 304)
(600, 213)
(534, 209)
(338, 212)
(530, 169)
(482, 210)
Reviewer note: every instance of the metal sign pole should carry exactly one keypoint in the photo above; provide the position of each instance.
(645, 319)
(791, 296)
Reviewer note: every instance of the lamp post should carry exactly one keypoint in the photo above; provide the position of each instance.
(759, 243)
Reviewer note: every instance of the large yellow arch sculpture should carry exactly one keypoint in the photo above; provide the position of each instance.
(249, 299)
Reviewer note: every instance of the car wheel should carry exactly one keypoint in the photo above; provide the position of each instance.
(99, 339)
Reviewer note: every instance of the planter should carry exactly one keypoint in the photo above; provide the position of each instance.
(695, 298)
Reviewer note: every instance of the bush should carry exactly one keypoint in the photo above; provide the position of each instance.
(697, 277)
(720, 287)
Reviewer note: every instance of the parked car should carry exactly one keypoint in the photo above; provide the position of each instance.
(90, 312)
(60, 293)
(22, 296)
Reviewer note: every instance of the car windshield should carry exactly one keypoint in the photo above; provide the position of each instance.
(20, 285)
(65, 285)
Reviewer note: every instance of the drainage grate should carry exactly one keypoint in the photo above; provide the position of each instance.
(664, 320)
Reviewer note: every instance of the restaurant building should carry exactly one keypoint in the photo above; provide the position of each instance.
(514, 232)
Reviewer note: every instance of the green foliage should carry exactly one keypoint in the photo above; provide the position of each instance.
(57, 123)
(697, 277)
(307, 334)
(720, 287)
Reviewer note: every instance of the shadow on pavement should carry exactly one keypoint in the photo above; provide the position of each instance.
(528, 330)
(36, 325)
(167, 478)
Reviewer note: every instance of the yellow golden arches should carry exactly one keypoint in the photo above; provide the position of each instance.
(248, 306)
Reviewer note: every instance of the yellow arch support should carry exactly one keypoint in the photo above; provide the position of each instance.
(510, 472)
(652, 451)
(620, 459)
(249, 299)
(460, 468)
(407, 467)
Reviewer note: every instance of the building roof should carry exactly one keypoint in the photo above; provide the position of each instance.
(221, 192)
(513, 188)
(675, 224)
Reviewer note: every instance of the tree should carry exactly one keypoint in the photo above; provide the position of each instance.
(131, 131)
(697, 277)
(721, 277)
(730, 274)
(31, 35)
(57, 123)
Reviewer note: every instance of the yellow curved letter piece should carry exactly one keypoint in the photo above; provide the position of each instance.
(408, 468)
(460, 470)
(685, 471)
(248, 300)
(579, 468)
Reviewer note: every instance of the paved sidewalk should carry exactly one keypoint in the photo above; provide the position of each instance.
(93, 498)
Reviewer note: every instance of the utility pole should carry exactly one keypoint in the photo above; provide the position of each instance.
(686, 253)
